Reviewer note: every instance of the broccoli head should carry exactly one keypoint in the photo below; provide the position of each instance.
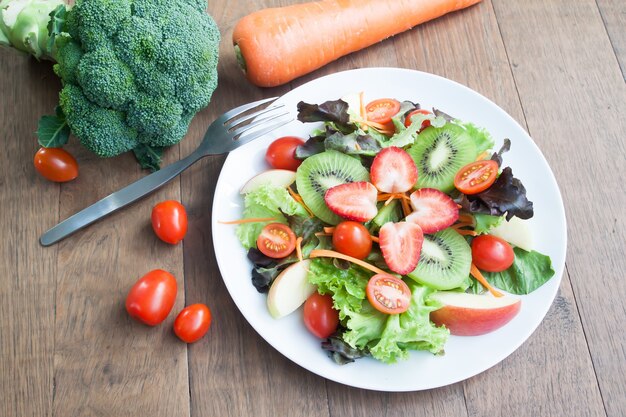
(135, 72)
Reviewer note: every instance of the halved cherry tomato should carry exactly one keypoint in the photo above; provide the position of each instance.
(276, 240)
(382, 110)
(281, 154)
(192, 323)
(425, 123)
(56, 164)
(476, 176)
(319, 315)
(491, 253)
(152, 297)
(169, 221)
(352, 239)
(388, 294)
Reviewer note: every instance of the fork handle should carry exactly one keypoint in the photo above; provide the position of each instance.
(117, 200)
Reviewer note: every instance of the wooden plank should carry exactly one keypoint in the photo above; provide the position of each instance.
(105, 362)
(27, 271)
(574, 99)
(614, 16)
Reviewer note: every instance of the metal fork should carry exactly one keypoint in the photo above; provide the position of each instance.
(226, 133)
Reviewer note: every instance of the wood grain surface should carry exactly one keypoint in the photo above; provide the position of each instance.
(67, 347)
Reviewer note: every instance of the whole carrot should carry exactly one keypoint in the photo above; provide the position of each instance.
(277, 45)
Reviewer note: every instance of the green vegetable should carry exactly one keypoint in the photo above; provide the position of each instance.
(24, 25)
(134, 72)
(483, 223)
(267, 201)
(387, 337)
(530, 270)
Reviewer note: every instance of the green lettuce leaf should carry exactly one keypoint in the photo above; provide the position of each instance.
(530, 270)
(482, 138)
(346, 285)
(483, 223)
(267, 201)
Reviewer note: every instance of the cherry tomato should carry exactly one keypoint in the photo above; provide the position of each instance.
(476, 176)
(192, 323)
(169, 221)
(382, 110)
(276, 240)
(152, 297)
(388, 294)
(319, 315)
(491, 253)
(352, 239)
(56, 164)
(425, 123)
(281, 153)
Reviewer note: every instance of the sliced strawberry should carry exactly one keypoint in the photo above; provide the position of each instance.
(353, 201)
(433, 210)
(393, 171)
(401, 244)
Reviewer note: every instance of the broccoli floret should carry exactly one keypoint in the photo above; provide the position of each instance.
(135, 71)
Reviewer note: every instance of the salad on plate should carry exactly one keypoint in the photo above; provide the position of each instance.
(389, 228)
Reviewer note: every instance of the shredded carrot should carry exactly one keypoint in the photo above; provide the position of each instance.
(329, 230)
(389, 200)
(323, 253)
(466, 218)
(406, 209)
(249, 220)
(323, 234)
(386, 196)
(482, 155)
(462, 224)
(299, 248)
(374, 238)
(480, 278)
(297, 197)
(466, 232)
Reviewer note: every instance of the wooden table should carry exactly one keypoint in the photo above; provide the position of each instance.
(67, 347)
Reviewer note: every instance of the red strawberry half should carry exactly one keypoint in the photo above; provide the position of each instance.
(353, 201)
(433, 210)
(393, 171)
(401, 244)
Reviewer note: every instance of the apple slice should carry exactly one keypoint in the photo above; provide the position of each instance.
(276, 177)
(472, 314)
(516, 232)
(290, 290)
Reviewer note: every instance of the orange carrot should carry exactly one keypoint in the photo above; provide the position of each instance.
(482, 155)
(323, 253)
(299, 248)
(480, 278)
(277, 45)
(249, 220)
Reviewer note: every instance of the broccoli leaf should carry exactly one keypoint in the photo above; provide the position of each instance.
(149, 157)
(53, 131)
(55, 25)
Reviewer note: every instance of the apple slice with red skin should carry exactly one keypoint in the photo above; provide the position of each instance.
(472, 314)
(274, 177)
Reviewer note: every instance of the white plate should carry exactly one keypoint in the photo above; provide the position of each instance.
(465, 356)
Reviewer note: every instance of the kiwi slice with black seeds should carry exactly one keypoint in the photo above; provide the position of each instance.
(322, 171)
(445, 261)
(439, 153)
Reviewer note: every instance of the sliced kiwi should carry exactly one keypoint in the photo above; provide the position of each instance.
(444, 262)
(439, 153)
(322, 171)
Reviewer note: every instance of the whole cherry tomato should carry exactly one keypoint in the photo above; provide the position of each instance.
(352, 239)
(192, 323)
(281, 153)
(319, 315)
(491, 253)
(169, 221)
(56, 164)
(152, 297)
